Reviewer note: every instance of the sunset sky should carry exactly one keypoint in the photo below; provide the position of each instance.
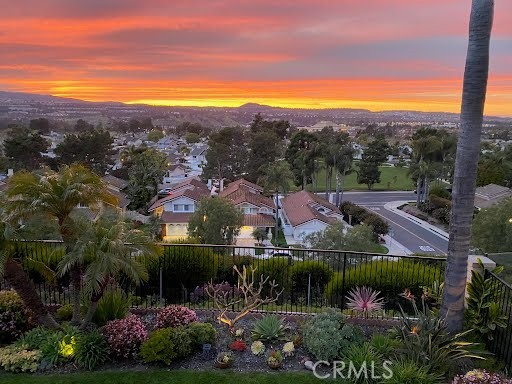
(375, 54)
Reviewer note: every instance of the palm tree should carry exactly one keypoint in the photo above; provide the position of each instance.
(106, 251)
(468, 150)
(57, 194)
(12, 271)
(277, 177)
(343, 166)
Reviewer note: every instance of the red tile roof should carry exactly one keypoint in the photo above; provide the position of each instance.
(259, 220)
(300, 207)
(235, 185)
(175, 218)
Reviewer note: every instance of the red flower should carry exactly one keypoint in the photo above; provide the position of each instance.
(238, 345)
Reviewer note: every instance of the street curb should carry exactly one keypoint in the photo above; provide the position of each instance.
(393, 207)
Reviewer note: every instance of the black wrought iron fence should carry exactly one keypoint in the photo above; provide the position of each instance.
(311, 280)
(501, 343)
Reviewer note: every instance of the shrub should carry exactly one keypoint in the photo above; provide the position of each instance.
(366, 360)
(410, 372)
(383, 344)
(480, 377)
(64, 313)
(15, 358)
(425, 340)
(300, 273)
(388, 277)
(174, 316)
(326, 336)
(113, 305)
(268, 328)
(59, 345)
(14, 317)
(91, 350)
(439, 192)
(377, 224)
(35, 338)
(166, 345)
(437, 202)
(125, 336)
(201, 333)
(184, 269)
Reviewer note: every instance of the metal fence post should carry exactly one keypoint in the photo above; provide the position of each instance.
(161, 288)
(343, 281)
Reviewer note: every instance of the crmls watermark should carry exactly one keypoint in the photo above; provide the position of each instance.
(349, 370)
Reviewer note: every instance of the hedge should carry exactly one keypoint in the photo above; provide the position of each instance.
(391, 278)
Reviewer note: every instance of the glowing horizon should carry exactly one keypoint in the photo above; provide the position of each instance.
(394, 55)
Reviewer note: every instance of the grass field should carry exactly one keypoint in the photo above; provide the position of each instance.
(391, 179)
(161, 377)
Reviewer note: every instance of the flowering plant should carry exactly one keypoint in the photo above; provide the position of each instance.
(238, 345)
(125, 336)
(174, 316)
(479, 376)
(239, 333)
(257, 348)
(288, 349)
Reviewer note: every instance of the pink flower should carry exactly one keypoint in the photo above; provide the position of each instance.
(174, 316)
(125, 336)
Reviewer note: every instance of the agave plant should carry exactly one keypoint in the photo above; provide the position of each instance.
(268, 328)
(364, 300)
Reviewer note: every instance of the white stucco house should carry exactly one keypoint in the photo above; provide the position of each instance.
(177, 173)
(257, 208)
(304, 212)
(176, 209)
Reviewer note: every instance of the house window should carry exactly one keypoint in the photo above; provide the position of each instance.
(186, 207)
(178, 207)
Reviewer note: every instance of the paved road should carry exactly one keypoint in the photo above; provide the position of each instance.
(411, 235)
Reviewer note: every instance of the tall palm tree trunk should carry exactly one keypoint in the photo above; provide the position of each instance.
(25, 288)
(466, 162)
(93, 305)
(277, 217)
(418, 192)
(338, 185)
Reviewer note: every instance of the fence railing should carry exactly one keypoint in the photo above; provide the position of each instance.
(312, 280)
(501, 343)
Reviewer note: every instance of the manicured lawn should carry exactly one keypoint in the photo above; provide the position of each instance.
(391, 179)
(161, 377)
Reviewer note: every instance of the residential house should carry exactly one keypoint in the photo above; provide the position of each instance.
(257, 208)
(117, 187)
(491, 194)
(176, 209)
(197, 157)
(304, 212)
(176, 173)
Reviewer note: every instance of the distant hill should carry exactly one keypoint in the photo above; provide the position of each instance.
(21, 105)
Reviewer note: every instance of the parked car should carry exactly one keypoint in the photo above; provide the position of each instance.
(164, 192)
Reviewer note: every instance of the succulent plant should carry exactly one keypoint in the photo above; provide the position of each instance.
(257, 348)
(274, 359)
(288, 349)
(364, 300)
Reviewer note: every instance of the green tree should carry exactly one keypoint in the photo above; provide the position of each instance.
(40, 125)
(356, 239)
(468, 149)
(155, 135)
(57, 195)
(278, 178)
(91, 147)
(280, 128)
(227, 154)
(23, 148)
(145, 173)
(192, 137)
(107, 250)
(83, 126)
(374, 155)
(492, 228)
(264, 148)
(492, 170)
(215, 221)
(299, 155)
